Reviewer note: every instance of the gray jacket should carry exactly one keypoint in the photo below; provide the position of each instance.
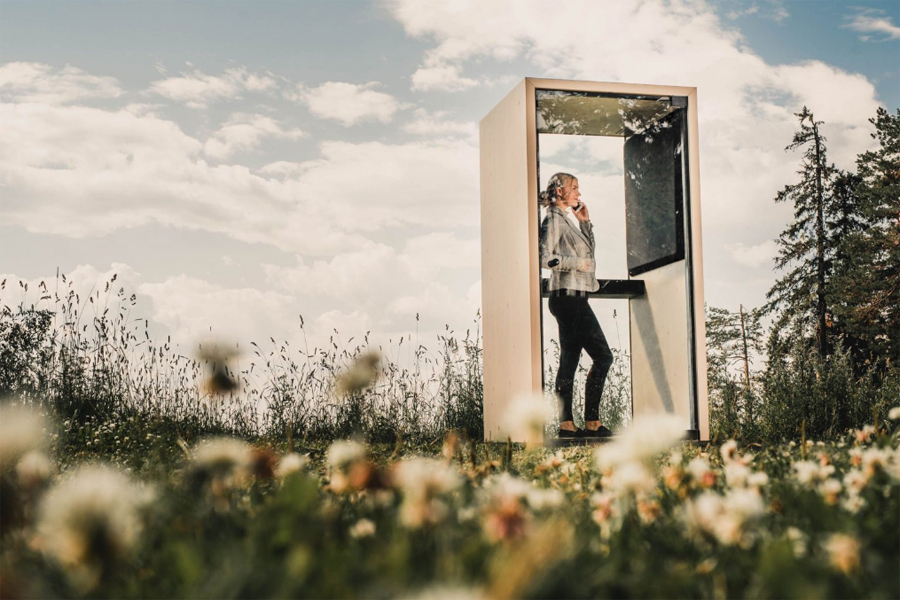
(561, 239)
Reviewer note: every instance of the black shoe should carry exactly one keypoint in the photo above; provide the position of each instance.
(600, 432)
(570, 435)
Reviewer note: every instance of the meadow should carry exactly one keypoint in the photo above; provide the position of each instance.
(130, 471)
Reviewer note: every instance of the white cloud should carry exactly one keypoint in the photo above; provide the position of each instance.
(440, 77)
(350, 104)
(436, 124)
(198, 90)
(79, 171)
(871, 21)
(245, 132)
(196, 310)
(41, 83)
(759, 255)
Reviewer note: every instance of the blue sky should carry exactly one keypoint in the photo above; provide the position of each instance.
(240, 163)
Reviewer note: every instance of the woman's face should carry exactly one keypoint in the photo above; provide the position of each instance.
(569, 194)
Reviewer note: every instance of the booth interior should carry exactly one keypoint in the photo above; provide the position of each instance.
(628, 152)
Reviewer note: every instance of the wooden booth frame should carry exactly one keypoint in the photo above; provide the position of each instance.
(511, 274)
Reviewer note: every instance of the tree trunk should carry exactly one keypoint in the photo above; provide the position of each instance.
(820, 248)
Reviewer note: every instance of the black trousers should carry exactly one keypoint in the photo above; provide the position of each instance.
(579, 329)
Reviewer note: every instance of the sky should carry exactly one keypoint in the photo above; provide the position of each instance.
(257, 170)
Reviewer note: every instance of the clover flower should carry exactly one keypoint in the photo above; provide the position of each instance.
(843, 552)
(33, 470)
(362, 528)
(424, 481)
(702, 473)
(810, 473)
(290, 463)
(220, 465)
(341, 458)
(646, 438)
(21, 431)
(725, 518)
(525, 418)
(89, 520)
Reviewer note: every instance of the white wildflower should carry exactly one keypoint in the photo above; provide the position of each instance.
(222, 456)
(831, 489)
(631, 477)
(290, 463)
(729, 450)
(646, 438)
(736, 474)
(33, 469)
(90, 519)
(758, 479)
(894, 413)
(853, 503)
(798, 541)
(362, 528)
(544, 499)
(21, 431)
(343, 453)
(843, 552)
(525, 418)
(424, 481)
(726, 518)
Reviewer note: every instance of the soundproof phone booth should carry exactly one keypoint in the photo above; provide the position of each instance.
(634, 152)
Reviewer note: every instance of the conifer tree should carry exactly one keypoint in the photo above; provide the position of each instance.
(868, 282)
(801, 294)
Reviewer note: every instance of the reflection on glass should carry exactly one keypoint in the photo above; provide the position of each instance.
(628, 154)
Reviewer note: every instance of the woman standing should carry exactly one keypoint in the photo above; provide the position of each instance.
(567, 250)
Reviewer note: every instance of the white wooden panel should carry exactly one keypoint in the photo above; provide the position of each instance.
(510, 303)
(659, 344)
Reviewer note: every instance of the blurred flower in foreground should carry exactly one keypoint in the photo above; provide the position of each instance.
(33, 470)
(89, 520)
(341, 458)
(219, 377)
(728, 519)
(362, 528)
(21, 431)
(843, 552)
(894, 413)
(361, 374)
(222, 464)
(525, 418)
(642, 441)
(423, 482)
(291, 463)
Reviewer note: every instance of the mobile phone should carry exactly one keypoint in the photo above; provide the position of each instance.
(578, 207)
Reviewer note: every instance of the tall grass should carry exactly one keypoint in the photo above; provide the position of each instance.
(88, 359)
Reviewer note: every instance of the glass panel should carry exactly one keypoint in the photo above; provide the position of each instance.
(625, 153)
(597, 163)
(654, 194)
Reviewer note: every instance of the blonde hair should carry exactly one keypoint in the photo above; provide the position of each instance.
(556, 183)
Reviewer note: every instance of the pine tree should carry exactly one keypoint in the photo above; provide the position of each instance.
(869, 280)
(801, 294)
